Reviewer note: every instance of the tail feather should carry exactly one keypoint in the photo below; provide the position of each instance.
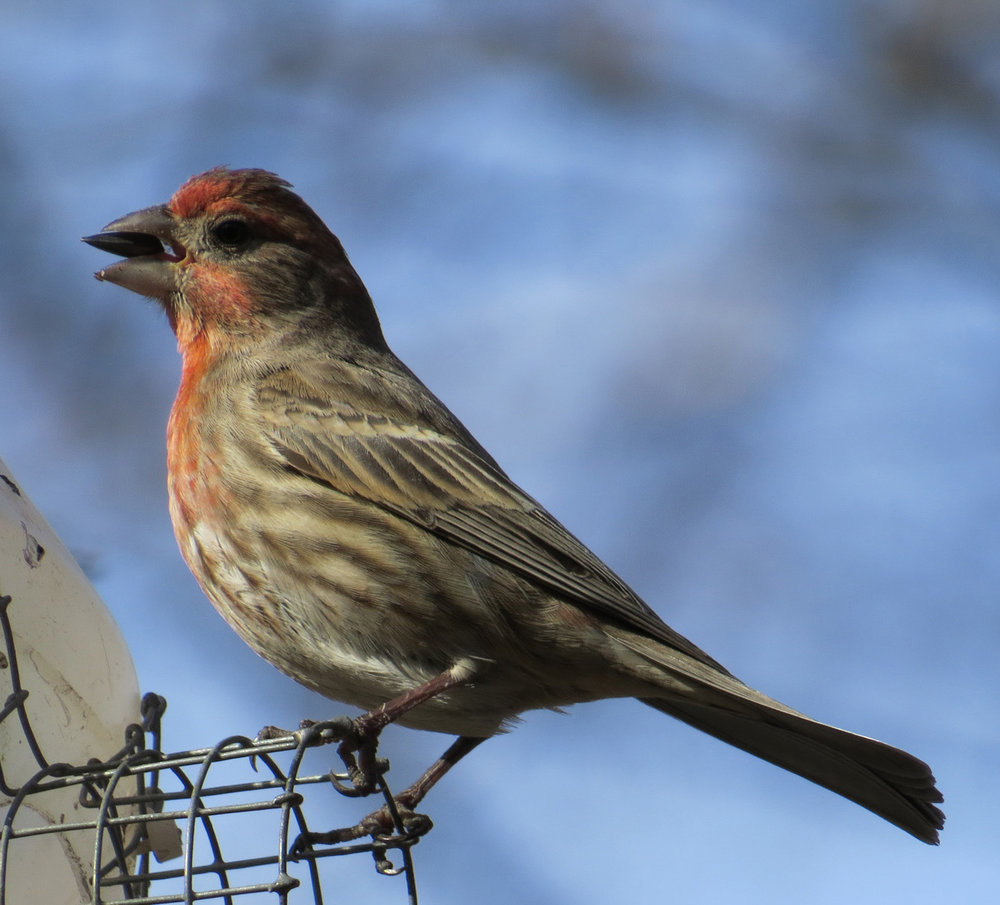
(883, 779)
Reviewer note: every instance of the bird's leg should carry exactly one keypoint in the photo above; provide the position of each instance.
(384, 820)
(363, 770)
(412, 796)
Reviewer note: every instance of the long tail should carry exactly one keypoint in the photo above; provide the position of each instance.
(891, 783)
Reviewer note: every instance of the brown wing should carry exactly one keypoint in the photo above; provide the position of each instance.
(420, 464)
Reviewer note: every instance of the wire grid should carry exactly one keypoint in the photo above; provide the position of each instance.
(238, 816)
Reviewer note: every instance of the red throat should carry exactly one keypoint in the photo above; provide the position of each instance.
(183, 444)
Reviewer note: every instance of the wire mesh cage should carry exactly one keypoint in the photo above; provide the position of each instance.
(221, 823)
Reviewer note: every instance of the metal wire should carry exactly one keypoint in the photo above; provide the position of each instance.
(237, 810)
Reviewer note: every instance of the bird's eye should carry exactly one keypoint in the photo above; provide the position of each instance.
(231, 233)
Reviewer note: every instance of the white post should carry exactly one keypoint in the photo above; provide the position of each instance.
(82, 693)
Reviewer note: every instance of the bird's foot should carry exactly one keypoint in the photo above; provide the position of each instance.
(270, 733)
(357, 750)
(388, 823)
(358, 740)
(359, 737)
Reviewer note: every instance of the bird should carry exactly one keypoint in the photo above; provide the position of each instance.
(357, 536)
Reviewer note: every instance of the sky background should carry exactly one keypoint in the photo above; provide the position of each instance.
(714, 281)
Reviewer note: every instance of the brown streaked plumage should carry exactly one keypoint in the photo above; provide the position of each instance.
(355, 534)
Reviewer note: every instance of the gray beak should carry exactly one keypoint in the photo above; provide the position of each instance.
(139, 237)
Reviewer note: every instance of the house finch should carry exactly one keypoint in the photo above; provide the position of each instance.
(356, 535)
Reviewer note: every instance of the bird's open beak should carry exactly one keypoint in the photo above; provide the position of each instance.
(146, 240)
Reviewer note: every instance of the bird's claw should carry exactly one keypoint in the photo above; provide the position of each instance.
(358, 785)
(385, 827)
(358, 740)
(270, 733)
(357, 750)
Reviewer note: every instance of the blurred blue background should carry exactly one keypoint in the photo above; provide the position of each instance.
(716, 282)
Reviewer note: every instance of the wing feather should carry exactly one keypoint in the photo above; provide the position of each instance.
(435, 475)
